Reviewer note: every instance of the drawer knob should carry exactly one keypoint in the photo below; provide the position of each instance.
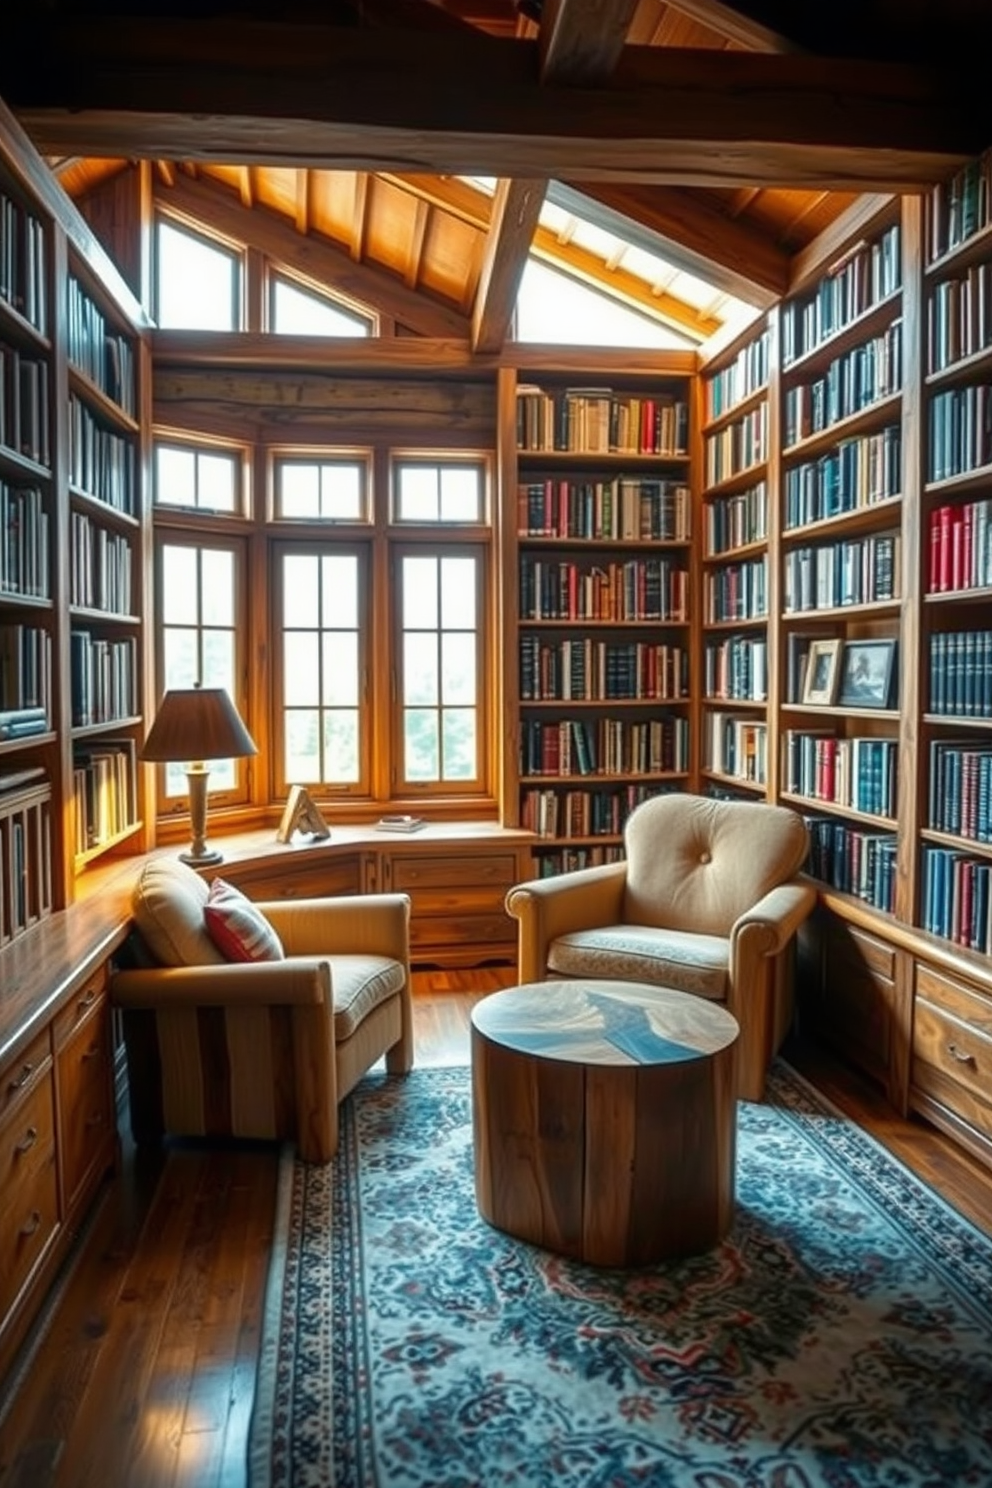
(93, 1052)
(32, 1223)
(27, 1141)
(21, 1079)
(961, 1055)
(87, 1001)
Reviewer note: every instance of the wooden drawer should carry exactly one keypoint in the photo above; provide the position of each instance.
(86, 1125)
(22, 1073)
(456, 870)
(969, 1004)
(76, 1010)
(306, 881)
(461, 899)
(29, 1213)
(484, 931)
(952, 1064)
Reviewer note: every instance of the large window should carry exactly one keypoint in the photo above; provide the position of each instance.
(191, 476)
(300, 311)
(197, 280)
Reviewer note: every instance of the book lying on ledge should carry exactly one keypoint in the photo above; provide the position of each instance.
(400, 823)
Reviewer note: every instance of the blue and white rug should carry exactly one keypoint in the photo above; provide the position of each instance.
(841, 1337)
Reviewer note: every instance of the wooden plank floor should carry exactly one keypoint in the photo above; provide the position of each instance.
(144, 1375)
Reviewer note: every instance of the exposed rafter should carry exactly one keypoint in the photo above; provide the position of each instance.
(516, 208)
(380, 100)
(302, 201)
(736, 25)
(416, 251)
(245, 186)
(359, 215)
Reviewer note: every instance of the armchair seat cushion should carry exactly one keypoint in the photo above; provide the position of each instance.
(643, 953)
(361, 983)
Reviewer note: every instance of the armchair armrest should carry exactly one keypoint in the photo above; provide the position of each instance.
(354, 925)
(549, 907)
(238, 984)
(770, 924)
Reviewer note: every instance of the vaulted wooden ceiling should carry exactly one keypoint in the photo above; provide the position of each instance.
(731, 133)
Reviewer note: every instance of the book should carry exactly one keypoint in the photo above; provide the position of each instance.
(400, 823)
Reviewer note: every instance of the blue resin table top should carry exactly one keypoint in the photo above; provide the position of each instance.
(603, 1022)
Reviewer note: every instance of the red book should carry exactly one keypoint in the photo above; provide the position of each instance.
(933, 578)
(944, 516)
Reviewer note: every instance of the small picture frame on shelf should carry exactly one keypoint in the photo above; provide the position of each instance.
(868, 674)
(822, 665)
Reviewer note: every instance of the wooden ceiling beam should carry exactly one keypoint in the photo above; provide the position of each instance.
(315, 258)
(516, 209)
(359, 215)
(581, 41)
(382, 100)
(736, 25)
(302, 200)
(245, 186)
(418, 234)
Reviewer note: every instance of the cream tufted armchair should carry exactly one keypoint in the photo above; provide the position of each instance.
(263, 1048)
(706, 903)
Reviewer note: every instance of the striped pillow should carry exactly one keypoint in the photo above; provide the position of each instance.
(239, 930)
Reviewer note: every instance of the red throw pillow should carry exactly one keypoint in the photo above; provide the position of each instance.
(237, 928)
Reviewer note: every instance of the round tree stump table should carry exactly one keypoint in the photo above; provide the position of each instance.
(604, 1119)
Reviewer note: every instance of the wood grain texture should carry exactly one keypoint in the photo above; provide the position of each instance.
(604, 1119)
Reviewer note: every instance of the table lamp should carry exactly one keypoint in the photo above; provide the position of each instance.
(195, 724)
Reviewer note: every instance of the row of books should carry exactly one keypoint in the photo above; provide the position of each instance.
(737, 447)
(858, 773)
(105, 356)
(24, 423)
(862, 376)
(625, 509)
(25, 860)
(556, 813)
(957, 902)
(853, 860)
(959, 317)
(599, 420)
(736, 669)
(743, 376)
(101, 463)
(590, 670)
(103, 678)
(864, 277)
(105, 792)
(23, 542)
(25, 668)
(734, 521)
(824, 576)
(22, 262)
(736, 591)
(960, 788)
(23, 722)
(960, 431)
(960, 673)
(960, 547)
(100, 567)
(859, 473)
(736, 746)
(603, 746)
(959, 207)
(640, 589)
(571, 859)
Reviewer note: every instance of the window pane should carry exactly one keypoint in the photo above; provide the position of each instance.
(419, 593)
(179, 586)
(299, 489)
(302, 745)
(341, 491)
(217, 578)
(180, 657)
(420, 679)
(458, 590)
(341, 669)
(300, 312)
(417, 493)
(340, 591)
(301, 589)
(341, 747)
(458, 725)
(223, 775)
(302, 671)
(175, 476)
(420, 741)
(196, 281)
(457, 669)
(218, 659)
(217, 484)
(461, 493)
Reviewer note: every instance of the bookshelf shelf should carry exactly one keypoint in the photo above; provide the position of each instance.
(861, 519)
(739, 481)
(555, 705)
(876, 609)
(963, 370)
(980, 594)
(20, 466)
(100, 617)
(967, 483)
(17, 327)
(603, 544)
(958, 721)
(876, 715)
(116, 839)
(101, 402)
(102, 510)
(969, 845)
(750, 622)
(9, 600)
(744, 704)
(30, 741)
(744, 405)
(814, 804)
(845, 338)
(873, 415)
(95, 730)
(731, 555)
(971, 250)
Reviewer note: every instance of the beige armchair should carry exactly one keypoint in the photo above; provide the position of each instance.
(706, 902)
(263, 1048)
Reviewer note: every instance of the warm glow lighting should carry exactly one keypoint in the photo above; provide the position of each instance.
(193, 725)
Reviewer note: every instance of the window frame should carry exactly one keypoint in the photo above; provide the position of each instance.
(201, 444)
(276, 272)
(193, 228)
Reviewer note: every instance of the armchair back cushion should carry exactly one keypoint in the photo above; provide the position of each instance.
(696, 863)
(167, 903)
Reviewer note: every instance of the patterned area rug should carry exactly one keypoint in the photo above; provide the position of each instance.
(841, 1337)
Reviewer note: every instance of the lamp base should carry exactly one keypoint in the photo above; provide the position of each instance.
(201, 859)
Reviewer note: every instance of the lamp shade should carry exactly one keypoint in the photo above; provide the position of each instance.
(197, 723)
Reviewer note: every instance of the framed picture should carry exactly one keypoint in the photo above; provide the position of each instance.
(868, 672)
(820, 680)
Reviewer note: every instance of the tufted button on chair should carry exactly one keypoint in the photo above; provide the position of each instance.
(261, 1048)
(706, 902)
